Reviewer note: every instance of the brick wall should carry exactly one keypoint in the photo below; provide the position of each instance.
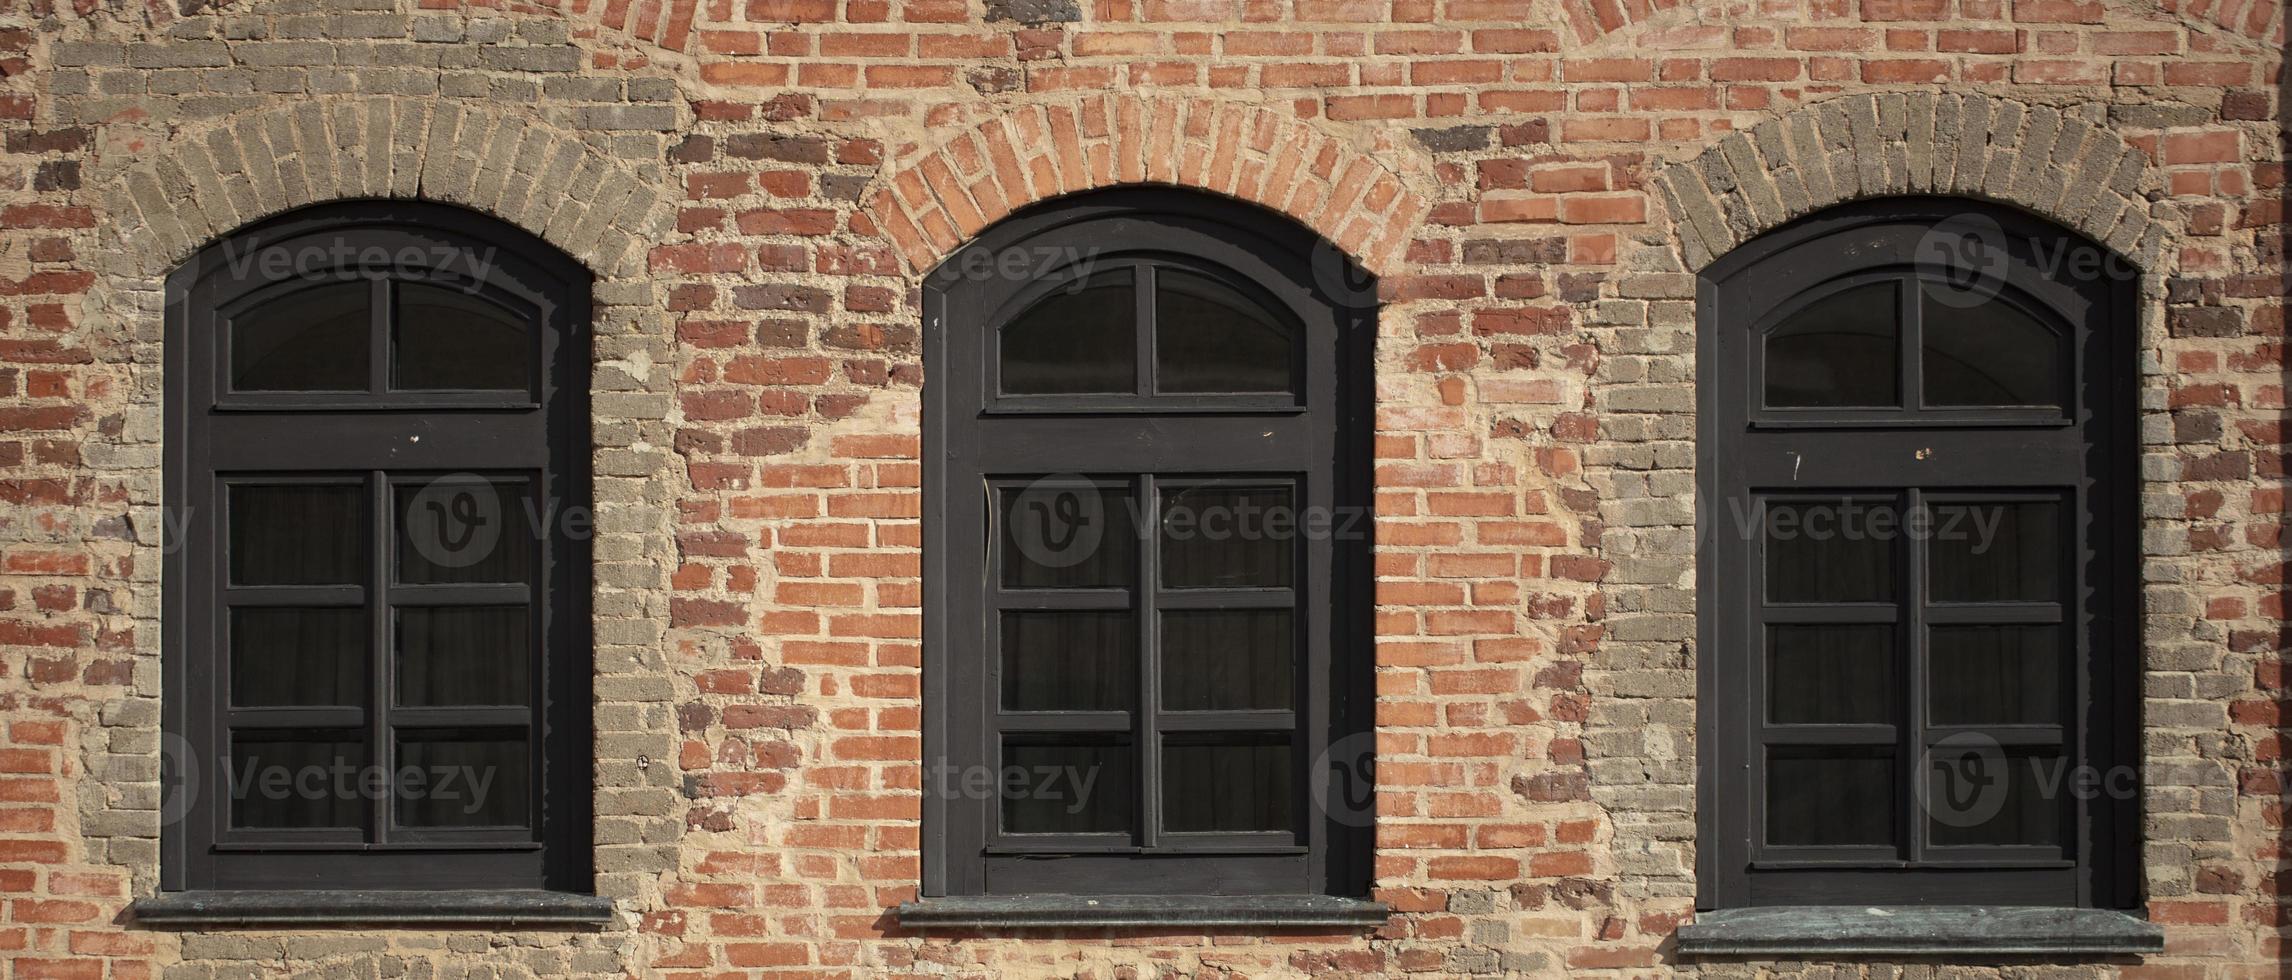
(758, 186)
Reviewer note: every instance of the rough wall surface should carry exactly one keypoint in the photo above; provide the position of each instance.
(758, 185)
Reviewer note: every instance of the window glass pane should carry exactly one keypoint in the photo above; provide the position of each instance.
(1069, 661)
(297, 535)
(466, 529)
(296, 778)
(1210, 337)
(1081, 339)
(448, 338)
(1228, 660)
(1995, 675)
(1826, 795)
(1997, 551)
(1081, 785)
(465, 655)
(1227, 783)
(1228, 538)
(308, 340)
(1831, 550)
(1068, 536)
(290, 657)
(1840, 351)
(1830, 675)
(1986, 795)
(463, 778)
(1988, 354)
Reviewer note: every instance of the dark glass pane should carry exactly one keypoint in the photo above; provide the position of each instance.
(1228, 660)
(1069, 536)
(1081, 339)
(1995, 675)
(296, 778)
(291, 657)
(1989, 354)
(463, 778)
(1227, 783)
(1209, 336)
(308, 340)
(1073, 786)
(1981, 794)
(1069, 661)
(1228, 538)
(1831, 550)
(1830, 675)
(1825, 795)
(1996, 551)
(1840, 351)
(465, 655)
(467, 529)
(297, 535)
(456, 339)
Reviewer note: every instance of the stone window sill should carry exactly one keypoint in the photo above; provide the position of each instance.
(1960, 930)
(1128, 911)
(289, 907)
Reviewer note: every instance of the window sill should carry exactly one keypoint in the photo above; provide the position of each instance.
(1125, 911)
(289, 907)
(1806, 931)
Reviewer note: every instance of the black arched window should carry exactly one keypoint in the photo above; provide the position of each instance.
(1146, 555)
(1919, 615)
(377, 638)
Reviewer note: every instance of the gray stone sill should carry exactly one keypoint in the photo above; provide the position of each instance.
(288, 907)
(1130, 911)
(1953, 930)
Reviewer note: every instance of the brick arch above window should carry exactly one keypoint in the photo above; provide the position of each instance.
(2061, 163)
(2259, 23)
(938, 198)
(256, 164)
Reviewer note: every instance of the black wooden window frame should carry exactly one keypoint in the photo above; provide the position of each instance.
(1918, 457)
(978, 442)
(379, 440)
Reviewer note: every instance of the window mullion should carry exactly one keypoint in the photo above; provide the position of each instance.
(1914, 684)
(1149, 664)
(1142, 281)
(1912, 305)
(378, 646)
(378, 336)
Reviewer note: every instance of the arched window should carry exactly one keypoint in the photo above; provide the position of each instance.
(1919, 614)
(1147, 583)
(377, 637)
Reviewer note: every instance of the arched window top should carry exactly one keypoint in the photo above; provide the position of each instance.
(1149, 301)
(1911, 313)
(382, 305)
(1148, 327)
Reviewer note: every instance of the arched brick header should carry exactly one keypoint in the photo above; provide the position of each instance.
(2063, 164)
(666, 24)
(500, 161)
(938, 200)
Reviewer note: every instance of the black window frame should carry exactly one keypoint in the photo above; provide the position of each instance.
(379, 439)
(1320, 435)
(2084, 454)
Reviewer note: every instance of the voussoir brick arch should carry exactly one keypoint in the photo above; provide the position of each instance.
(488, 158)
(937, 200)
(666, 24)
(2064, 164)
